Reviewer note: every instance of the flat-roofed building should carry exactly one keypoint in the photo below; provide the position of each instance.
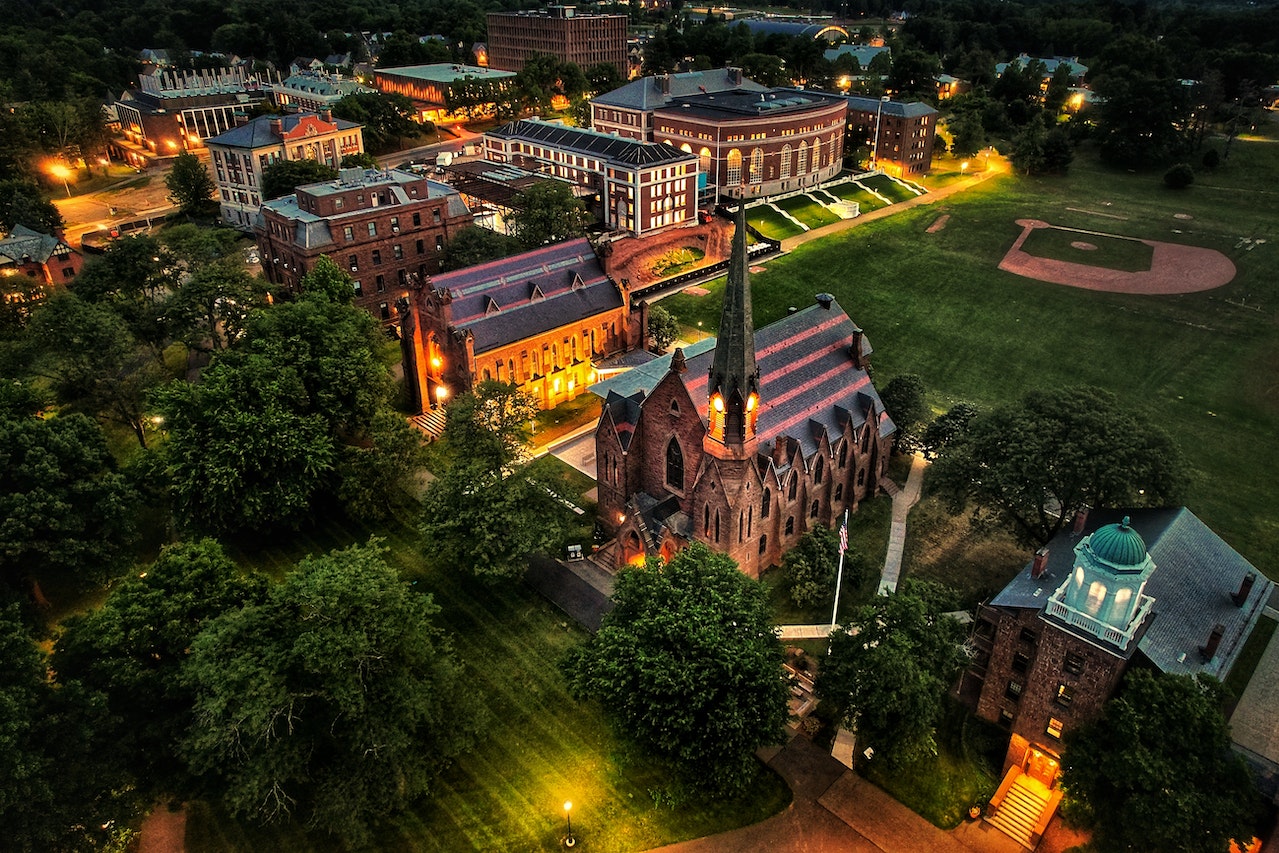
(387, 229)
(628, 110)
(558, 31)
(641, 186)
(429, 88)
(308, 91)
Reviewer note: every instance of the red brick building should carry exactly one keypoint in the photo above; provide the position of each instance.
(628, 110)
(757, 143)
(898, 134)
(540, 320)
(1150, 588)
(387, 229)
(742, 443)
(557, 31)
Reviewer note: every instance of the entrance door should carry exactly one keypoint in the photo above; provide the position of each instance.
(1041, 767)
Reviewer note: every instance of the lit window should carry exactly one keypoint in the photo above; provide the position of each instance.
(1064, 695)
(1013, 691)
(1054, 727)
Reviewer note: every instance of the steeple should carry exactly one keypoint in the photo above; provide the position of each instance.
(734, 376)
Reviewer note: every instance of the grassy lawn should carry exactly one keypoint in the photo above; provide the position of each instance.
(850, 191)
(566, 417)
(677, 261)
(942, 547)
(807, 211)
(1246, 663)
(938, 306)
(888, 188)
(539, 749)
(1113, 253)
(771, 224)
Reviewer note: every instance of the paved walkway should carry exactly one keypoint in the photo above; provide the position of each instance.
(903, 500)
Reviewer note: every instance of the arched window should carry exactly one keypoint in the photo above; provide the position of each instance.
(802, 167)
(763, 543)
(510, 369)
(734, 176)
(674, 465)
(766, 504)
(786, 154)
(861, 478)
(716, 525)
(500, 377)
(794, 483)
(817, 471)
(839, 492)
(812, 513)
(741, 525)
(704, 160)
(843, 453)
(706, 520)
(790, 525)
(1096, 595)
(757, 166)
(750, 521)
(487, 375)
(817, 154)
(686, 148)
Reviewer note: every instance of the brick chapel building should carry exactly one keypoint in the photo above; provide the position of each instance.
(744, 446)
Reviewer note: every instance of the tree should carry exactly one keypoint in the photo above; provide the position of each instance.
(63, 506)
(1028, 154)
(1179, 176)
(1059, 151)
(687, 667)
(336, 700)
(903, 399)
(327, 281)
(474, 245)
(486, 512)
(133, 648)
(211, 307)
(967, 135)
(189, 183)
(387, 118)
(602, 78)
(812, 564)
(23, 203)
(889, 667)
(284, 176)
(381, 466)
(362, 160)
(663, 328)
(1032, 465)
(547, 212)
(133, 277)
(948, 428)
(912, 74)
(1157, 771)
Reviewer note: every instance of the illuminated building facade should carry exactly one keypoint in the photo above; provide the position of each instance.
(558, 31)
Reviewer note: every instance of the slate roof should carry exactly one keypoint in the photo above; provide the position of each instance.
(23, 243)
(646, 93)
(1195, 574)
(1050, 64)
(902, 109)
(258, 133)
(808, 384)
(863, 53)
(750, 103)
(613, 149)
(522, 296)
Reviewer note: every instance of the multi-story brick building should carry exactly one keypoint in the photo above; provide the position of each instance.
(241, 154)
(387, 229)
(540, 320)
(899, 135)
(628, 110)
(744, 445)
(309, 91)
(1053, 645)
(757, 143)
(513, 37)
(640, 186)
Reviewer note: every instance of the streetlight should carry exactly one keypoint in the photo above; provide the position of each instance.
(963, 167)
(569, 841)
(874, 151)
(62, 173)
(699, 330)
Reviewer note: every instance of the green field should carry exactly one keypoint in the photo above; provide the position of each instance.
(771, 224)
(539, 746)
(888, 188)
(807, 211)
(1199, 364)
(1115, 253)
(850, 191)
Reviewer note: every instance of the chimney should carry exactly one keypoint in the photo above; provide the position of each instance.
(240, 118)
(1081, 519)
(825, 300)
(1245, 589)
(678, 365)
(327, 115)
(277, 127)
(735, 76)
(1214, 640)
(855, 349)
(664, 83)
(1040, 564)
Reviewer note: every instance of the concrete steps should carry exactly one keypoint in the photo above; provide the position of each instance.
(430, 422)
(1017, 815)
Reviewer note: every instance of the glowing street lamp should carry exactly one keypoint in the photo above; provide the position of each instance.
(963, 167)
(569, 840)
(63, 174)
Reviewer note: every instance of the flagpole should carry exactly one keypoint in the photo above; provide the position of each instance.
(839, 576)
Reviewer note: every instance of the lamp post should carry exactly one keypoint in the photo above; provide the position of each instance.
(569, 840)
(874, 151)
(699, 330)
(62, 173)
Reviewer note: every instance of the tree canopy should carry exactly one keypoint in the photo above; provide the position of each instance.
(1157, 772)
(475, 245)
(336, 700)
(812, 564)
(663, 328)
(189, 183)
(284, 176)
(547, 212)
(1031, 465)
(889, 667)
(687, 667)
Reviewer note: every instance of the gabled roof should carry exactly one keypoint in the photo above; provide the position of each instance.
(534, 292)
(258, 133)
(646, 93)
(23, 245)
(613, 149)
(1195, 574)
(863, 53)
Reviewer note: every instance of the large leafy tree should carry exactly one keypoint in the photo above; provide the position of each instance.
(663, 328)
(548, 213)
(889, 667)
(134, 277)
(812, 564)
(687, 666)
(63, 506)
(23, 203)
(336, 700)
(904, 400)
(475, 245)
(284, 176)
(189, 184)
(211, 307)
(1157, 771)
(387, 118)
(1031, 465)
(487, 511)
(132, 650)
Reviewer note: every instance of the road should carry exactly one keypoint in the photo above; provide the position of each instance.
(92, 211)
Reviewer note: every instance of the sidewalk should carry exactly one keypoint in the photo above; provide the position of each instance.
(903, 500)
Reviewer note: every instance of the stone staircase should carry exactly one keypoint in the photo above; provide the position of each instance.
(1019, 813)
(430, 422)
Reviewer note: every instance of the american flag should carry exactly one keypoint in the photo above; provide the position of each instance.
(843, 537)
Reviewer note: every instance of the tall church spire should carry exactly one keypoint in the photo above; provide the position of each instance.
(734, 377)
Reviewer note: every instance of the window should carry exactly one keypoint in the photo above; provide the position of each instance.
(1013, 691)
(1028, 636)
(674, 465)
(786, 154)
(421, 247)
(348, 233)
(734, 176)
(861, 478)
(1006, 718)
(706, 520)
(1065, 693)
(704, 160)
(1074, 664)
(353, 261)
(385, 311)
(435, 216)
(790, 525)
(395, 224)
(417, 219)
(1021, 662)
(794, 483)
(381, 284)
(763, 543)
(817, 471)
(1054, 728)
(817, 154)
(812, 513)
(843, 453)
(359, 288)
(377, 256)
(398, 252)
(757, 166)
(716, 525)
(839, 491)
(1096, 595)
(766, 504)
(803, 159)
(372, 229)
(338, 203)
(439, 242)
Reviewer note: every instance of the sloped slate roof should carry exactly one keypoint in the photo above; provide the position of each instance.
(1195, 574)
(614, 149)
(903, 109)
(257, 133)
(525, 295)
(23, 242)
(646, 93)
(863, 53)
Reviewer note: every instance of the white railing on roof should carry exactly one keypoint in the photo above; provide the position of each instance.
(1121, 637)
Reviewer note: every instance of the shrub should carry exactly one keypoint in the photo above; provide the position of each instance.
(1179, 176)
